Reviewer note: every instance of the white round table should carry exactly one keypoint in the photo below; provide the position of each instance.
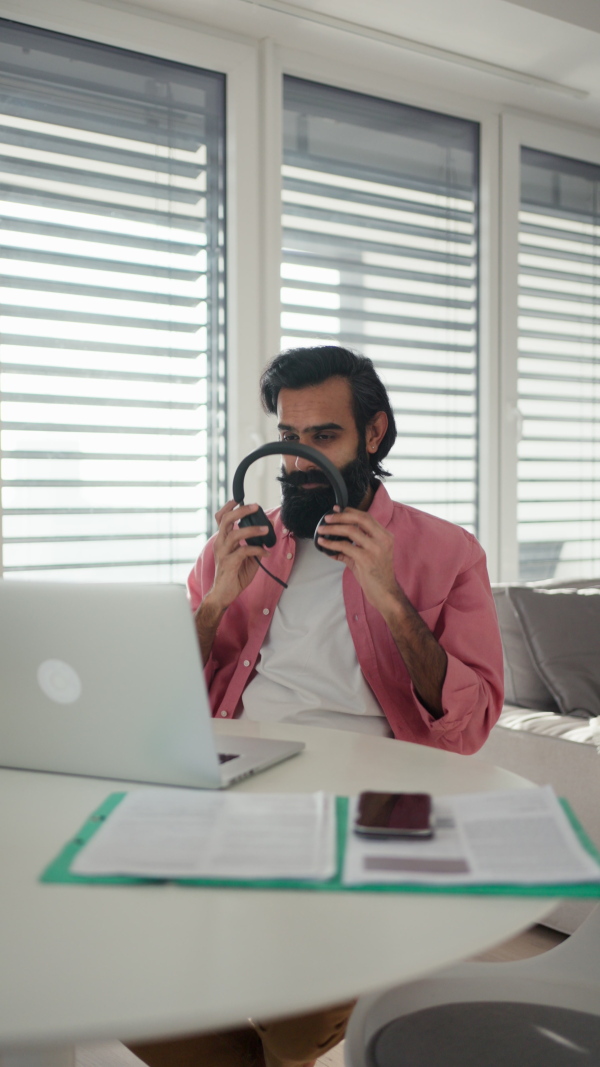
(91, 962)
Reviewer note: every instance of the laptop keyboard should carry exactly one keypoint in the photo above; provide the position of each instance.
(224, 757)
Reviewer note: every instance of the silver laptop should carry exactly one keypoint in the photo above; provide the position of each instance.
(107, 681)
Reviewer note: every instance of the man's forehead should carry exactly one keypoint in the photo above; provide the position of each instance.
(324, 406)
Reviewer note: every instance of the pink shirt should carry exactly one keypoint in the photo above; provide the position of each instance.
(441, 569)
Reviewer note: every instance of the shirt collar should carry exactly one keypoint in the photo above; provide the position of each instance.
(382, 506)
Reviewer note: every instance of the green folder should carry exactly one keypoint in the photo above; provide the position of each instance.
(60, 868)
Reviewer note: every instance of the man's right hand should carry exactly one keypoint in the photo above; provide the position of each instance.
(235, 563)
(235, 567)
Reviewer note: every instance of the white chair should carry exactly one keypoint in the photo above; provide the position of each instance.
(538, 1012)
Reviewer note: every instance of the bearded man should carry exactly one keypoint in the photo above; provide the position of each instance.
(397, 633)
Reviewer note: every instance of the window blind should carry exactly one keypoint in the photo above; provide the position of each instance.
(380, 255)
(559, 367)
(112, 347)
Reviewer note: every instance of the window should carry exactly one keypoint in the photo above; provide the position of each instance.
(112, 351)
(380, 254)
(559, 367)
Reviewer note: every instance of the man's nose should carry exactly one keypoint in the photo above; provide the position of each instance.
(302, 464)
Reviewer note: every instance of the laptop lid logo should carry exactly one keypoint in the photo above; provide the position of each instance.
(59, 681)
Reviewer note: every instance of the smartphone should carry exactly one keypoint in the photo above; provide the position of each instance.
(394, 815)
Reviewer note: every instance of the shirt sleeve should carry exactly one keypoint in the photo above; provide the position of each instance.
(473, 690)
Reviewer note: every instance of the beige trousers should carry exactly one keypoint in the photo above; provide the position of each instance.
(290, 1042)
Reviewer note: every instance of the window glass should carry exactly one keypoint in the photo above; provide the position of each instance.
(559, 367)
(112, 313)
(380, 255)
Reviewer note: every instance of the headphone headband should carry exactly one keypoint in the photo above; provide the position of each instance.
(289, 448)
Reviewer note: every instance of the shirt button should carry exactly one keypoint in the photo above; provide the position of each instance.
(223, 713)
(265, 611)
(356, 618)
(289, 555)
(246, 663)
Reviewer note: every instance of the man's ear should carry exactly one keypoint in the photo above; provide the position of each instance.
(376, 430)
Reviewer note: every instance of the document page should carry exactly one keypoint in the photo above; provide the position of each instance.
(522, 837)
(182, 833)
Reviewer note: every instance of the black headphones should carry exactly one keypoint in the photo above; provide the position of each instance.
(287, 448)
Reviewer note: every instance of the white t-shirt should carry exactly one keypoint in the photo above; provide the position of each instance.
(308, 671)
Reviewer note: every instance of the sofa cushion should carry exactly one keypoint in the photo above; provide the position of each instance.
(522, 683)
(561, 628)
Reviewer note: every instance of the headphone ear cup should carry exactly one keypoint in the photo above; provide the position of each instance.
(327, 536)
(258, 518)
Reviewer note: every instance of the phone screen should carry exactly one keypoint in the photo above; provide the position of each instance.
(401, 814)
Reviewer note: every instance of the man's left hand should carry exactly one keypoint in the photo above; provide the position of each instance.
(370, 556)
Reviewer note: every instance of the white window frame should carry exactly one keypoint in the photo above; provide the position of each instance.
(517, 132)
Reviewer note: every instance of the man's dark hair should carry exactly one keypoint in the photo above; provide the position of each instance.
(300, 367)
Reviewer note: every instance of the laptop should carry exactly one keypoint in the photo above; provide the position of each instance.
(106, 680)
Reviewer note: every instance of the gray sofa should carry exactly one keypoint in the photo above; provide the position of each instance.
(549, 731)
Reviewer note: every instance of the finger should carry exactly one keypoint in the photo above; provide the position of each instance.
(359, 521)
(232, 513)
(340, 557)
(229, 506)
(354, 533)
(232, 562)
(349, 552)
(354, 516)
(240, 509)
(239, 534)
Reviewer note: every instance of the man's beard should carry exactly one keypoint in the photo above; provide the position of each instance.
(302, 509)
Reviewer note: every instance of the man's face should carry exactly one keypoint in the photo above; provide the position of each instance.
(320, 416)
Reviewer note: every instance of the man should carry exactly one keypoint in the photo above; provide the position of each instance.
(395, 634)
